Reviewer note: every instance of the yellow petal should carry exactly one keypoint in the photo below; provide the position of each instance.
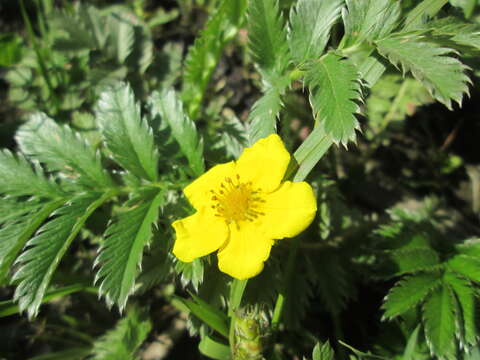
(264, 164)
(198, 235)
(245, 252)
(198, 192)
(289, 210)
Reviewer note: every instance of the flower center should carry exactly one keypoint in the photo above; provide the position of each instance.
(237, 201)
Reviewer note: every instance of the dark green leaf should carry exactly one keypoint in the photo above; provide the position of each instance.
(413, 260)
(213, 317)
(15, 233)
(62, 150)
(126, 135)
(466, 266)
(121, 253)
(183, 129)
(44, 251)
(334, 88)
(439, 322)
(408, 293)
(123, 341)
(213, 349)
(464, 294)
(17, 178)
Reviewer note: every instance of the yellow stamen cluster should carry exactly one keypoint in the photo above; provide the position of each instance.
(237, 201)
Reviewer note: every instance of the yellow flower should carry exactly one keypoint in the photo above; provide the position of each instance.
(242, 208)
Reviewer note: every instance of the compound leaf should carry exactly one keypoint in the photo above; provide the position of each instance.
(408, 292)
(428, 63)
(45, 250)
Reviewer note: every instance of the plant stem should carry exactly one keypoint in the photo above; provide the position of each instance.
(236, 294)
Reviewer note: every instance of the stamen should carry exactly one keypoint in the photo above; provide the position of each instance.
(237, 201)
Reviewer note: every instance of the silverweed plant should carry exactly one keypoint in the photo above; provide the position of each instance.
(146, 187)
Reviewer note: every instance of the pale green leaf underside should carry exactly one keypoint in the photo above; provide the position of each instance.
(17, 178)
(44, 251)
(183, 129)
(369, 20)
(62, 150)
(334, 93)
(428, 63)
(310, 25)
(267, 38)
(128, 137)
(439, 322)
(121, 253)
(409, 292)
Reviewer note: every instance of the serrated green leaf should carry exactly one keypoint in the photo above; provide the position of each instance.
(310, 25)
(408, 292)
(62, 150)
(268, 39)
(369, 20)
(425, 9)
(126, 134)
(191, 272)
(122, 35)
(458, 31)
(205, 53)
(465, 266)
(323, 352)
(123, 341)
(15, 233)
(414, 260)
(470, 247)
(439, 322)
(44, 251)
(120, 255)
(263, 117)
(464, 294)
(183, 129)
(428, 63)
(410, 348)
(17, 178)
(334, 93)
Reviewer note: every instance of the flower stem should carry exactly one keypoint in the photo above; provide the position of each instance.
(236, 293)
